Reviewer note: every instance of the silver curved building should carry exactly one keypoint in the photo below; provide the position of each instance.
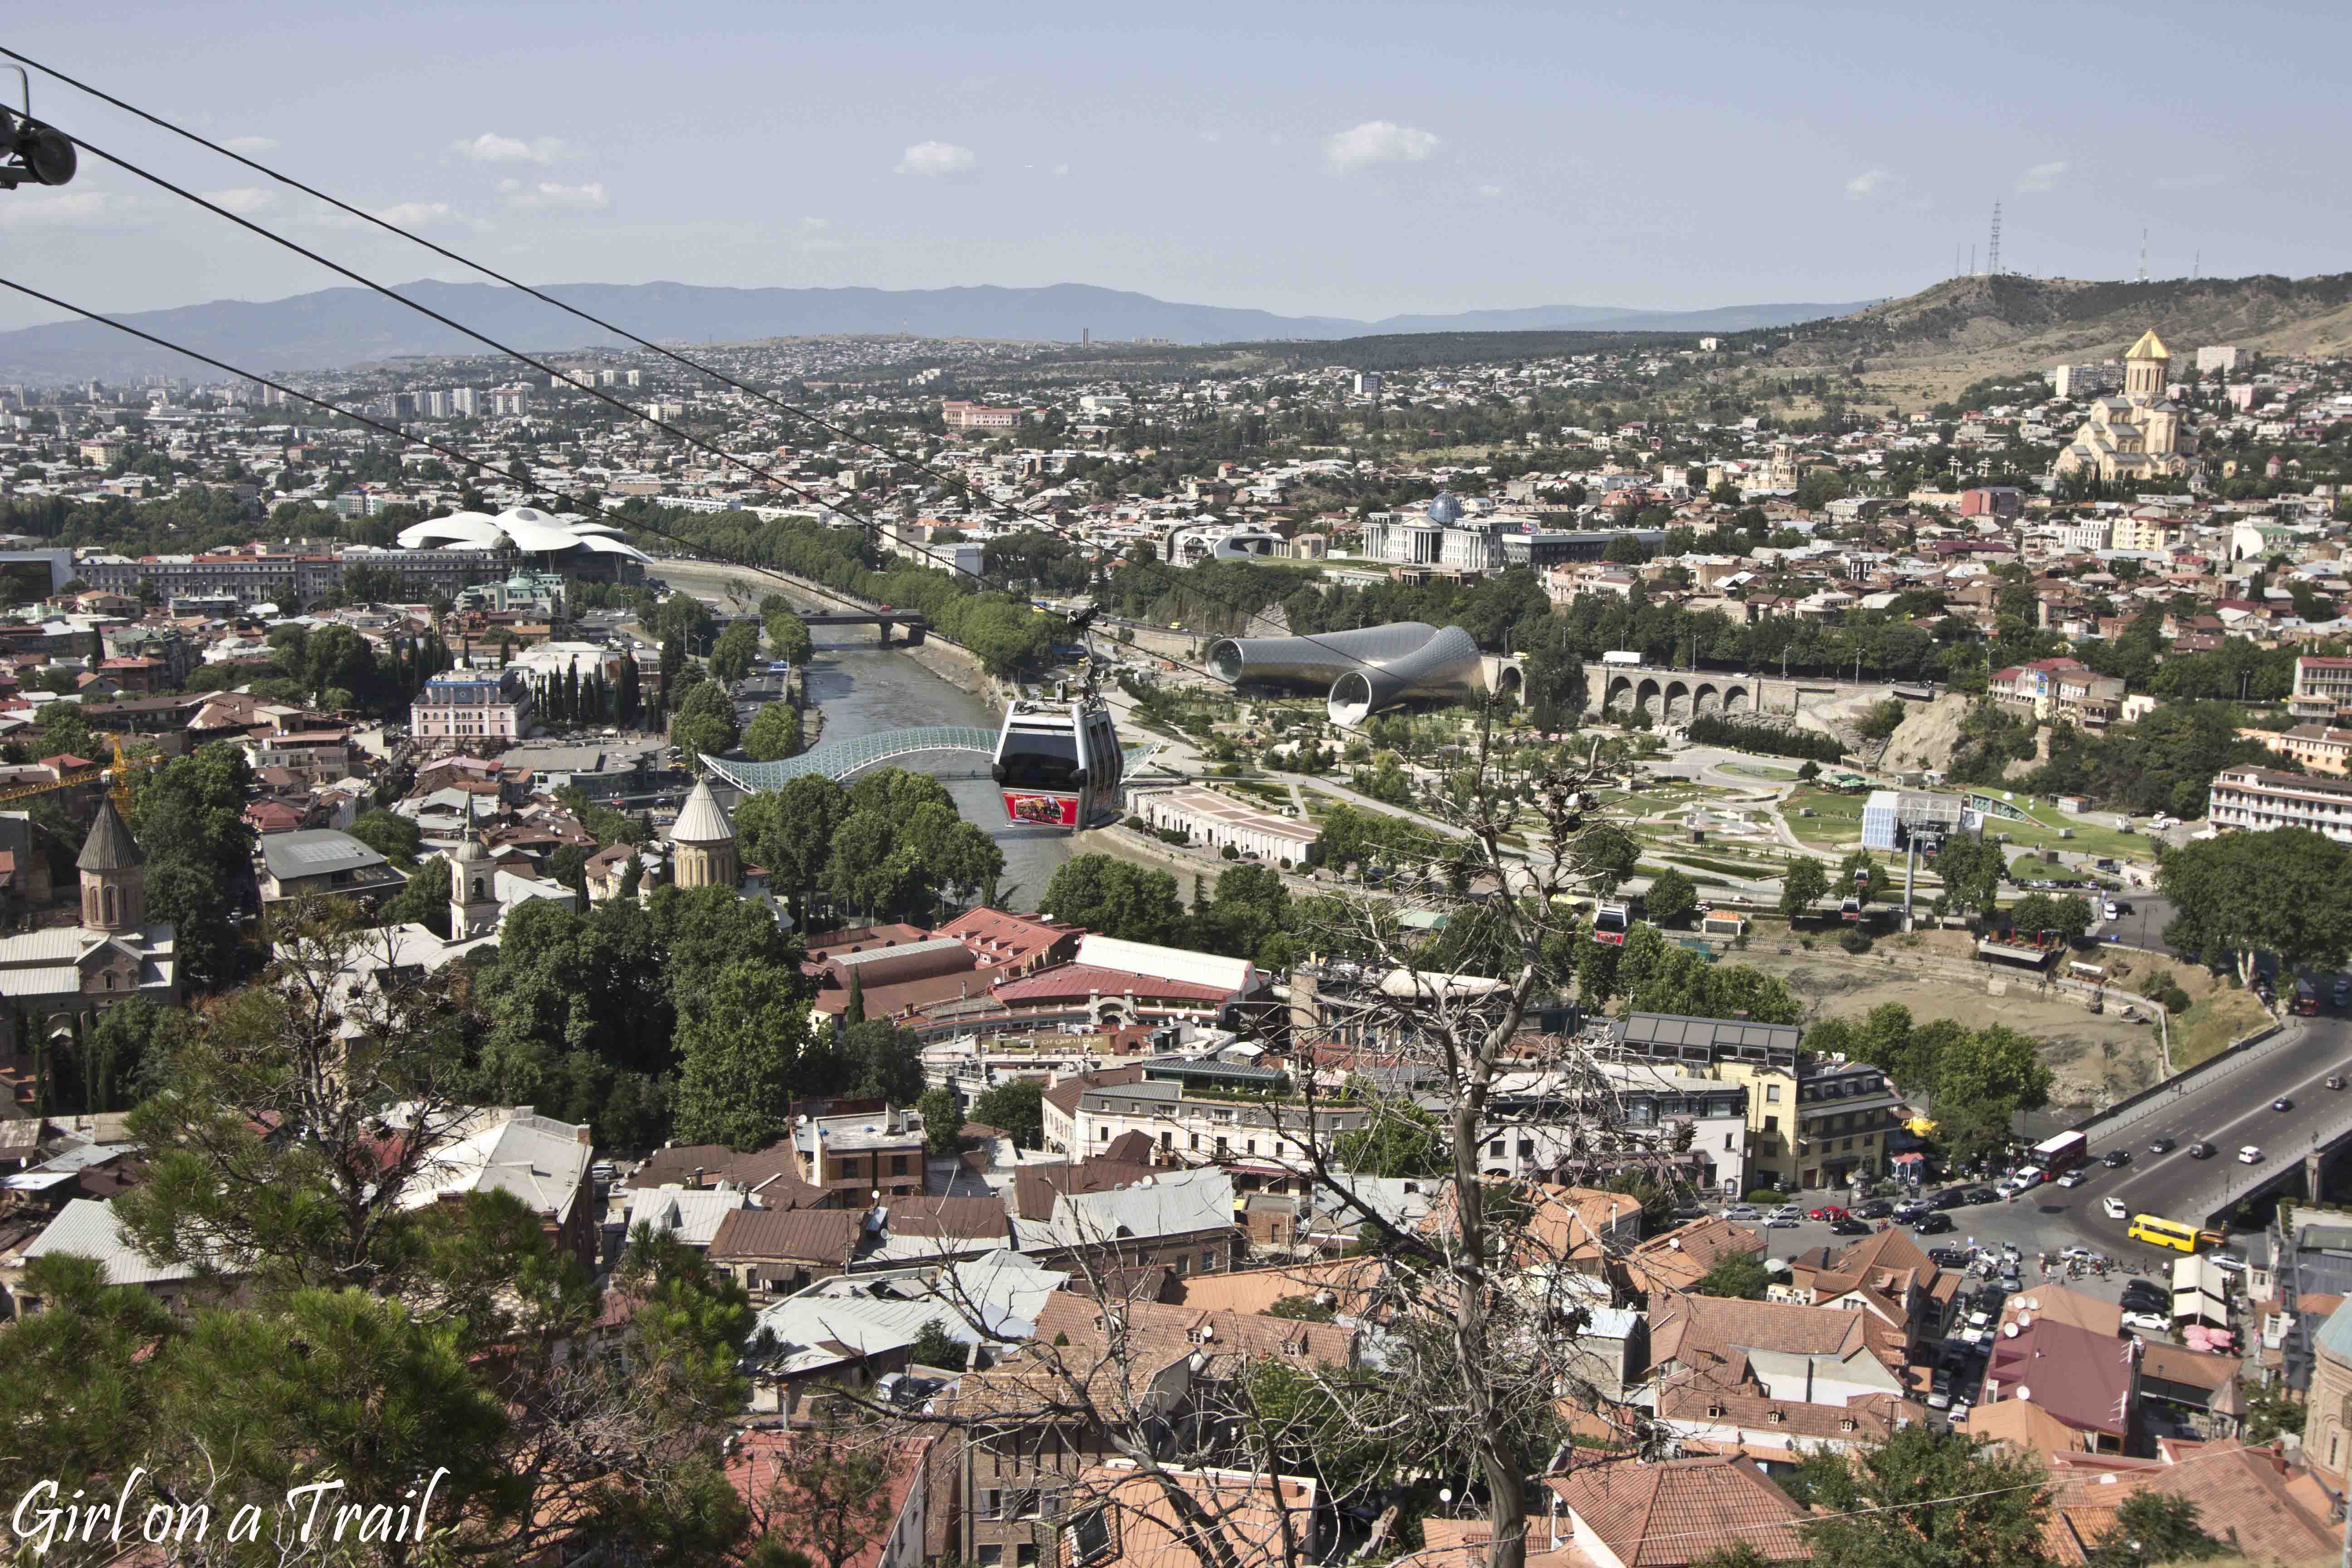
(1366, 670)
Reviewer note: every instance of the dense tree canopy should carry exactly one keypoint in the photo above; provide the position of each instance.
(2286, 892)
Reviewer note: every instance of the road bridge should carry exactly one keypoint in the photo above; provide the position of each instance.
(916, 622)
(843, 759)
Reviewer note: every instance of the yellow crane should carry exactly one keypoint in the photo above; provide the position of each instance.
(122, 769)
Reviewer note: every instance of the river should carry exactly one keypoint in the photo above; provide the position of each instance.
(861, 689)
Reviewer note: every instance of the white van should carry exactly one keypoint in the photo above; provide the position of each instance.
(2112, 1207)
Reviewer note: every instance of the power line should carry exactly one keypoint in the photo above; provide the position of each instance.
(395, 431)
(487, 271)
(556, 376)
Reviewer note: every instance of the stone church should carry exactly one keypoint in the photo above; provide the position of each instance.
(58, 976)
(2139, 435)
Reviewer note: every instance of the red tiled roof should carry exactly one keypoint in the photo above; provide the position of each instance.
(1077, 981)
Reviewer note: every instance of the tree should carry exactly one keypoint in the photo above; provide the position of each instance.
(935, 1345)
(773, 734)
(886, 1062)
(738, 1045)
(1658, 976)
(1738, 1274)
(2151, 1528)
(1674, 898)
(1116, 898)
(2068, 914)
(393, 837)
(837, 1501)
(788, 637)
(1970, 869)
(1930, 1498)
(703, 723)
(1400, 1140)
(189, 817)
(731, 656)
(2285, 892)
(1017, 1107)
(1860, 874)
(942, 1120)
(789, 831)
(424, 901)
(1803, 885)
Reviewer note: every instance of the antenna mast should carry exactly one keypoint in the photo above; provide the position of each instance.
(1992, 252)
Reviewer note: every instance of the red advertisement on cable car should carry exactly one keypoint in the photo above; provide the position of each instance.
(1042, 810)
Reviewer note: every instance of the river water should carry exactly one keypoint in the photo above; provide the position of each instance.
(861, 689)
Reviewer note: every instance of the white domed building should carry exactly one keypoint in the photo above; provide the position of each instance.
(561, 541)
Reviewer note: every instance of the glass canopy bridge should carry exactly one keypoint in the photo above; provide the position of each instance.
(840, 759)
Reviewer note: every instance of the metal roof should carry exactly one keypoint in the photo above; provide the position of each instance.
(316, 852)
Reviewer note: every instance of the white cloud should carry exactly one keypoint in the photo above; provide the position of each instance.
(42, 206)
(242, 199)
(251, 145)
(414, 215)
(1868, 184)
(1376, 141)
(547, 193)
(490, 147)
(2041, 177)
(1060, 171)
(937, 158)
(1490, 191)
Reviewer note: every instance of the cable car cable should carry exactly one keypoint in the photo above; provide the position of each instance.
(956, 481)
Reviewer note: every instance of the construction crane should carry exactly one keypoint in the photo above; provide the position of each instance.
(120, 772)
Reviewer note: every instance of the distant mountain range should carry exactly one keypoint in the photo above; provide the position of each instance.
(337, 327)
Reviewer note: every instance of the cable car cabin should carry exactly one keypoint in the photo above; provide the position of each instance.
(1609, 923)
(1058, 763)
(1851, 909)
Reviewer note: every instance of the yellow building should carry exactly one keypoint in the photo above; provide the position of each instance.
(2137, 434)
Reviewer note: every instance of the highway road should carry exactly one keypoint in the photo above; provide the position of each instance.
(2228, 1108)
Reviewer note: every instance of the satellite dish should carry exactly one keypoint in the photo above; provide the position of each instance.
(2009, 1330)
(2024, 1392)
(2024, 1320)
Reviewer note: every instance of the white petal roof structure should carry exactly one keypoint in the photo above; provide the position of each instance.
(524, 528)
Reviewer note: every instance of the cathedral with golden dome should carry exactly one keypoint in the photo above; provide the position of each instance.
(2139, 435)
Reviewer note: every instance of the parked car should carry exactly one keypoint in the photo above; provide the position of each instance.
(1933, 1224)
(1777, 1221)
(1740, 1211)
(1849, 1225)
(1948, 1257)
(1949, 1198)
(2143, 1295)
(2074, 1178)
(1876, 1208)
(2162, 1146)
(2200, 1149)
(2117, 1159)
(2228, 1263)
(1939, 1392)
(2249, 1155)
(2147, 1324)
(1827, 1210)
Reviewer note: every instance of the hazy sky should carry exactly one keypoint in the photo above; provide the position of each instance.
(1357, 159)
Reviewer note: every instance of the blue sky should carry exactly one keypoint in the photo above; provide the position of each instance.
(1358, 159)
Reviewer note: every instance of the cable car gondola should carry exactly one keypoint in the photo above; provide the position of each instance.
(1058, 763)
(1609, 924)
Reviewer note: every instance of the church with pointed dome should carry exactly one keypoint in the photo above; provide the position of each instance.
(59, 979)
(2139, 435)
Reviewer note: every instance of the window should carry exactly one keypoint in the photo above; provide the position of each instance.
(992, 1503)
(990, 1555)
(1102, 1135)
(1772, 1124)
(1207, 1262)
(1180, 1263)
(1771, 1094)
(1221, 1148)
(1026, 1555)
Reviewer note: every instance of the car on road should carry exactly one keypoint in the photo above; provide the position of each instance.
(2200, 1149)
(2228, 1263)
(2162, 1145)
(1827, 1210)
(2343, 992)
(1948, 1257)
(1939, 1392)
(2141, 1295)
(1783, 1221)
(1740, 1211)
(2335, 1081)
(2074, 1178)
(1876, 1208)
(2117, 1159)
(2249, 1155)
(2114, 1208)
(2147, 1324)
(2281, 1103)
(1983, 1195)
(1932, 1224)
(2112, 910)
(1848, 1225)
